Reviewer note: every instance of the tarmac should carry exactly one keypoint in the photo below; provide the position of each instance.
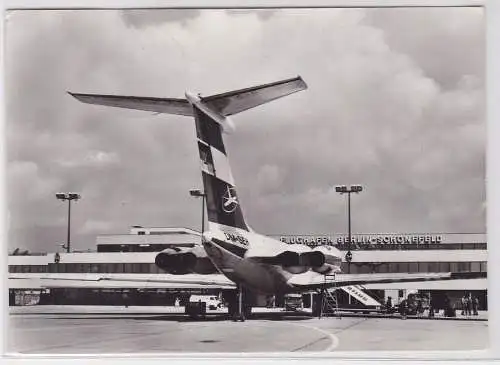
(155, 330)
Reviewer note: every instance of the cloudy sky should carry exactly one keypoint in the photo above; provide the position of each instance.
(395, 103)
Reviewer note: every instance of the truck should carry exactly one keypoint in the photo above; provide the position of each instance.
(199, 305)
(293, 302)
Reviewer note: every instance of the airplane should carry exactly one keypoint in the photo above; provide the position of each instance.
(252, 262)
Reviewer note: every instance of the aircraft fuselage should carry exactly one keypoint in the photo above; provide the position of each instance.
(239, 255)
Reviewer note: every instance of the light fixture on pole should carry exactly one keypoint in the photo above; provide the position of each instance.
(198, 193)
(342, 189)
(69, 197)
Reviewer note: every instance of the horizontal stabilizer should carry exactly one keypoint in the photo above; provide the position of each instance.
(225, 104)
(103, 280)
(234, 102)
(156, 105)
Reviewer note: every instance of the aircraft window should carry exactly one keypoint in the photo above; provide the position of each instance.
(484, 266)
(454, 266)
(392, 267)
(116, 268)
(414, 246)
(413, 267)
(475, 266)
(433, 266)
(464, 266)
(423, 267)
(404, 267)
(363, 269)
(444, 266)
(384, 268)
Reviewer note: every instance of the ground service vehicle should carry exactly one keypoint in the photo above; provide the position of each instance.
(198, 305)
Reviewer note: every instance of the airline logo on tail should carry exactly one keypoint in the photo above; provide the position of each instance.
(229, 200)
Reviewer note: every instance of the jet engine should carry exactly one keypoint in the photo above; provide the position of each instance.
(298, 263)
(180, 261)
(332, 261)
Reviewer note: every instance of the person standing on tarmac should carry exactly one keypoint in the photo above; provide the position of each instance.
(125, 299)
(431, 307)
(419, 308)
(475, 305)
(388, 305)
(404, 309)
(464, 305)
(469, 304)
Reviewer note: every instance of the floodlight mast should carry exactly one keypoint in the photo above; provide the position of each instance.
(69, 197)
(343, 189)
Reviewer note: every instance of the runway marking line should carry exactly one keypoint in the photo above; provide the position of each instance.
(352, 325)
(334, 339)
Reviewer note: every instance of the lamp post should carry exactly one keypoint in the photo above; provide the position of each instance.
(342, 189)
(69, 197)
(198, 193)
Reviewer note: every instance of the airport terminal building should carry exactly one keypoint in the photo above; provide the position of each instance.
(134, 253)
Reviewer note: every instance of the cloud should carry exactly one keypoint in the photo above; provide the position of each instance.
(92, 158)
(390, 105)
(263, 14)
(141, 18)
(436, 48)
(96, 227)
(269, 179)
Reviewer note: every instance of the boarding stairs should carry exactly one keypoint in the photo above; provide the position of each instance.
(329, 300)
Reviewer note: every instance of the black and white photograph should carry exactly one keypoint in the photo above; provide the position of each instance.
(246, 180)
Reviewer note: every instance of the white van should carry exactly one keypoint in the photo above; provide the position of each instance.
(212, 301)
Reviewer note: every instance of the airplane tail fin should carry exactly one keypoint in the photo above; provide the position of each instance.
(223, 205)
(210, 113)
